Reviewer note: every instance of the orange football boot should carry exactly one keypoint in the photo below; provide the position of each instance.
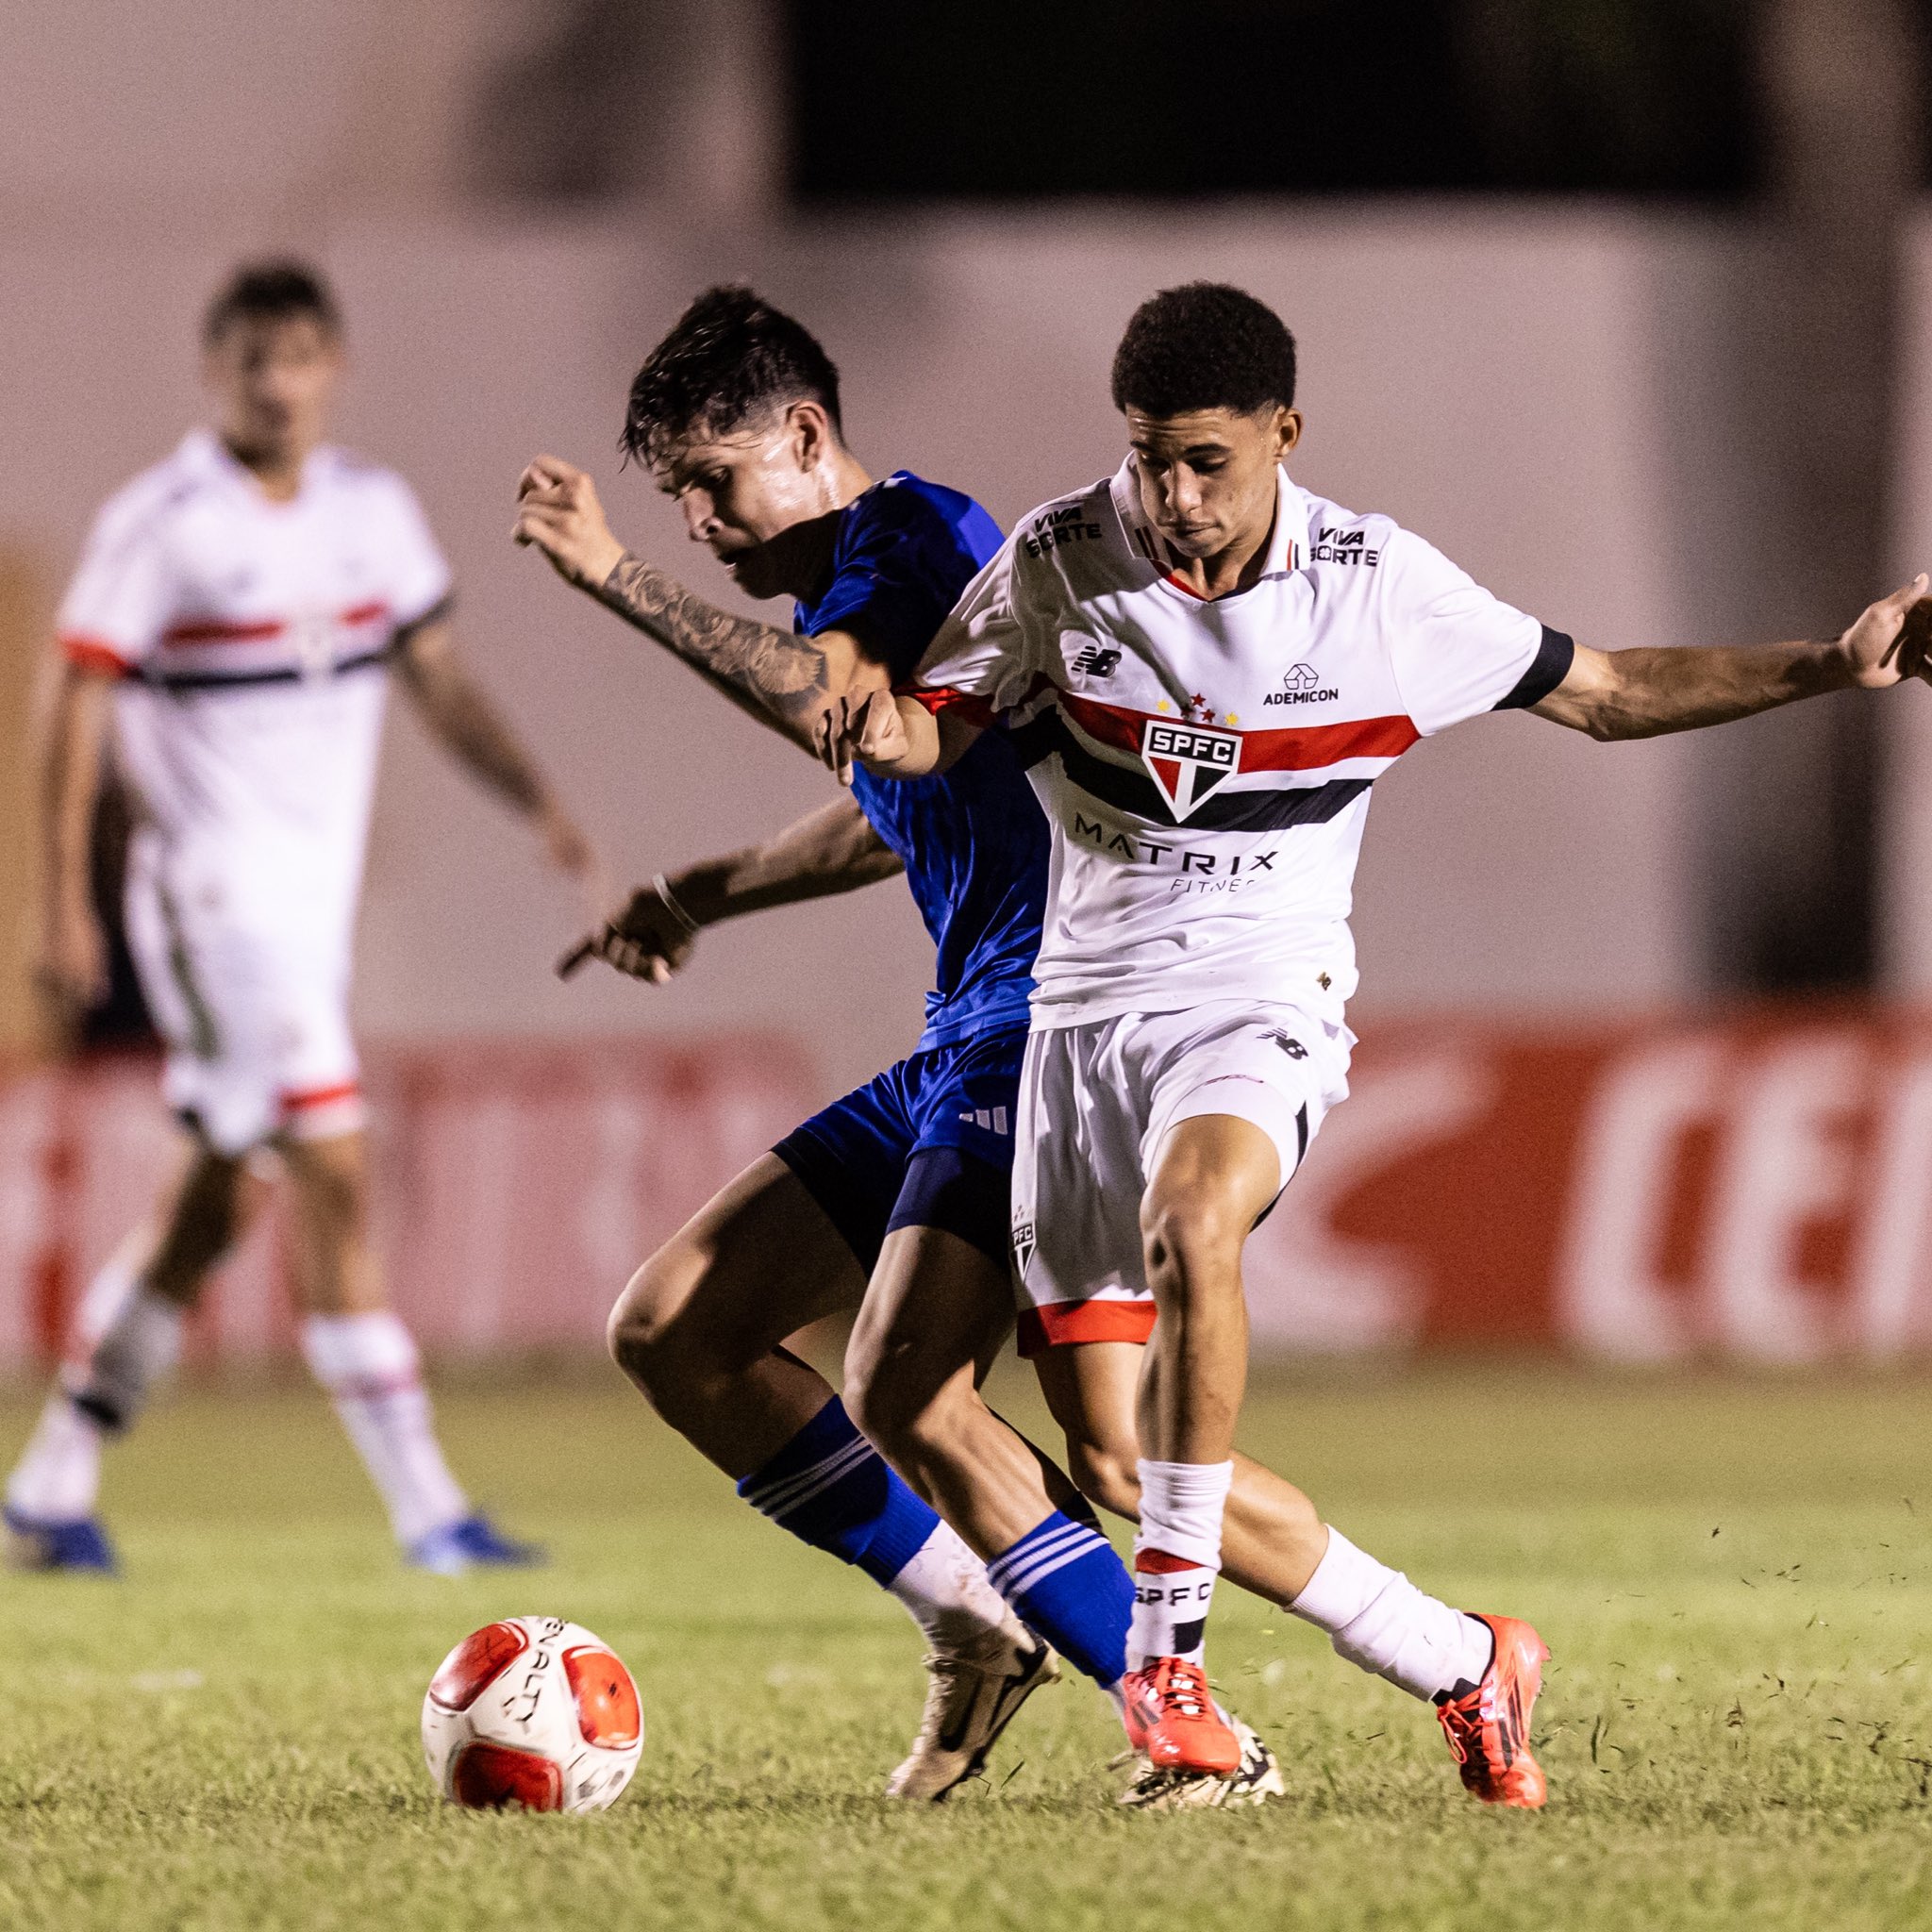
(1487, 1728)
(1172, 1722)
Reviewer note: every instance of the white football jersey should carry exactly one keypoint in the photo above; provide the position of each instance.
(1206, 765)
(250, 639)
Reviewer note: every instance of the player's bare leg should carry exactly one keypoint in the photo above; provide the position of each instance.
(126, 1335)
(1272, 1536)
(1214, 1177)
(1274, 1543)
(366, 1361)
(935, 1314)
(701, 1326)
(701, 1329)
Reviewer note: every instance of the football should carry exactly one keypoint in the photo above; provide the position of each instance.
(532, 1712)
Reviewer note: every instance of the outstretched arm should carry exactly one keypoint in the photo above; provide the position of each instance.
(464, 721)
(783, 680)
(1641, 693)
(831, 850)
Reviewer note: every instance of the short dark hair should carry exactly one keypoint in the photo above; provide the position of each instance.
(730, 357)
(271, 291)
(1204, 345)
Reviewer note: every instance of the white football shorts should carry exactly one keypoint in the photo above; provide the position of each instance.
(1095, 1103)
(254, 1015)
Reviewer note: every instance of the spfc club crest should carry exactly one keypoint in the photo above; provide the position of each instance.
(1023, 1241)
(1188, 761)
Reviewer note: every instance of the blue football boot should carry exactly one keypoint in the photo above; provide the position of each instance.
(35, 1544)
(476, 1541)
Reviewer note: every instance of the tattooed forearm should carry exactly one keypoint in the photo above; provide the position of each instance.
(783, 673)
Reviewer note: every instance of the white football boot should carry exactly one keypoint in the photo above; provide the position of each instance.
(1253, 1781)
(971, 1697)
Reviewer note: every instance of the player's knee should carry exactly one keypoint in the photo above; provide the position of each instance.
(1187, 1237)
(665, 1355)
(1107, 1475)
(334, 1186)
(887, 1407)
(639, 1326)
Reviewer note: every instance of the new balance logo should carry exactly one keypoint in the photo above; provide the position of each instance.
(993, 1119)
(1290, 1045)
(1097, 660)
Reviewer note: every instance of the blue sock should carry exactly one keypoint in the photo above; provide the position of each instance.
(831, 1488)
(1065, 1580)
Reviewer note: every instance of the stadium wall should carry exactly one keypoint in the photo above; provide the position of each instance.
(1755, 1188)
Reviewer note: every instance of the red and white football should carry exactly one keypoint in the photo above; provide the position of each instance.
(532, 1712)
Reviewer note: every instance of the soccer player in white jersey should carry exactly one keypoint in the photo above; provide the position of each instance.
(231, 621)
(1209, 667)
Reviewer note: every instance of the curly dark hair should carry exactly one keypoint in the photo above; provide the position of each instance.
(730, 357)
(1204, 345)
(271, 291)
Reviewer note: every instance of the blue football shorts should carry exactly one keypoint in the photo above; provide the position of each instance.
(928, 1143)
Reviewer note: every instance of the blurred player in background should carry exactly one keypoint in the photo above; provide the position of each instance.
(1206, 668)
(233, 619)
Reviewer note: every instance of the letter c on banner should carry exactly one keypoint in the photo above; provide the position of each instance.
(1784, 1165)
(1610, 1297)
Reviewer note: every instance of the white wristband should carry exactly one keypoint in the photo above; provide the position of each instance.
(662, 888)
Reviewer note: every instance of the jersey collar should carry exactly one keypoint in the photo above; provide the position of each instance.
(206, 455)
(1287, 542)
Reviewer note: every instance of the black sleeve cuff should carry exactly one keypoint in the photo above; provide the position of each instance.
(1547, 670)
(399, 637)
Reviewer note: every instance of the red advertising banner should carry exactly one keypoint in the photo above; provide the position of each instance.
(1753, 1187)
(1757, 1186)
(517, 1184)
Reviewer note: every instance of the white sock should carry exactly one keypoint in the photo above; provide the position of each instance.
(1176, 1559)
(1377, 1619)
(130, 1338)
(369, 1366)
(946, 1593)
(58, 1474)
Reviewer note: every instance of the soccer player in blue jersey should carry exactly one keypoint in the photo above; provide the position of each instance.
(894, 1200)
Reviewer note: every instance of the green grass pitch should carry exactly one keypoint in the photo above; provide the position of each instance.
(1736, 1580)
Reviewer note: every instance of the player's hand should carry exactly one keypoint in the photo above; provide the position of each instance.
(558, 510)
(1891, 640)
(869, 731)
(72, 968)
(650, 938)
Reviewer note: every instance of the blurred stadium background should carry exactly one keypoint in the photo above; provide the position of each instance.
(1624, 303)
(1627, 305)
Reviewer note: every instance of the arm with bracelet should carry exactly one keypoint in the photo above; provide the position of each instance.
(832, 850)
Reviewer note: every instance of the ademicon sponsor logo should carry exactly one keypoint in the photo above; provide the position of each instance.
(1302, 685)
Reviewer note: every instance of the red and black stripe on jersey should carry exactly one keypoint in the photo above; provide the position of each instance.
(1063, 726)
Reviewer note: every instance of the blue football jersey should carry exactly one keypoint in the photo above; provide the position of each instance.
(972, 840)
